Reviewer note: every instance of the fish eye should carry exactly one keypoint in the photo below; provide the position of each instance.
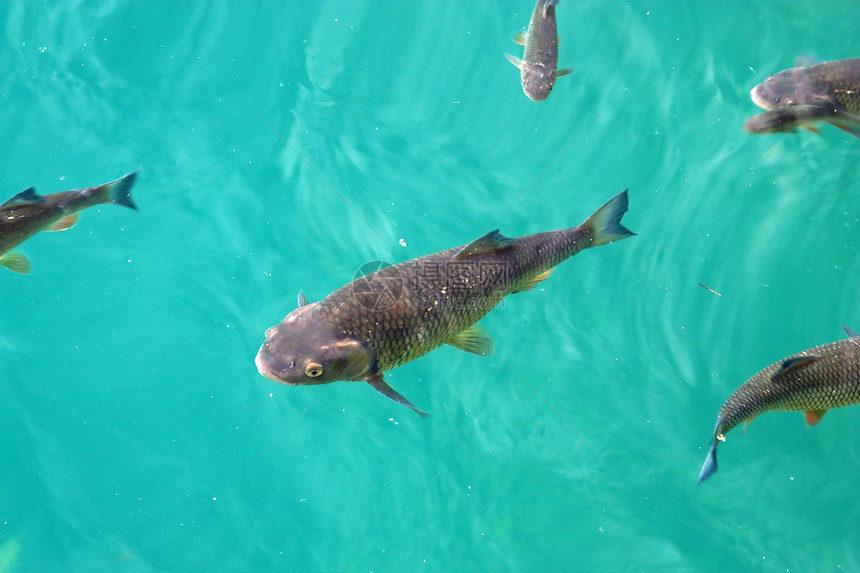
(313, 370)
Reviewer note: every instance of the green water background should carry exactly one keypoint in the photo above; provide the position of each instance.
(284, 144)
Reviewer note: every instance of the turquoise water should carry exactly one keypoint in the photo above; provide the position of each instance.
(281, 145)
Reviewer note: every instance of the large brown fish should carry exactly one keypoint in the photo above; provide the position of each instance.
(812, 381)
(398, 313)
(540, 57)
(27, 213)
(809, 93)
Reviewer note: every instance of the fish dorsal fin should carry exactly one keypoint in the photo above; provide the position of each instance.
(849, 332)
(303, 299)
(806, 60)
(474, 339)
(520, 38)
(794, 363)
(532, 283)
(64, 223)
(492, 241)
(25, 197)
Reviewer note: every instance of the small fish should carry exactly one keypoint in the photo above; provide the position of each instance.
(540, 58)
(812, 381)
(27, 213)
(398, 313)
(807, 94)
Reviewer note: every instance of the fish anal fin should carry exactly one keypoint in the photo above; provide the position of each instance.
(747, 423)
(533, 283)
(564, 72)
(492, 241)
(814, 416)
(16, 262)
(520, 38)
(515, 61)
(849, 331)
(25, 197)
(66, 222)
(474, 339)
(795, 362)
(380, 385)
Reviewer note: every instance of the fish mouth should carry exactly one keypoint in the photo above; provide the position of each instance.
(264, 370)
(758, 99)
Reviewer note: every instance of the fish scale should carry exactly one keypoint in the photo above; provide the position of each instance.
(399, 335)
(812, 381)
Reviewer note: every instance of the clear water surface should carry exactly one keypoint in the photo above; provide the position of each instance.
(281, 145)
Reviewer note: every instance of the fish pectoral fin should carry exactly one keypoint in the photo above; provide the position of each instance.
(25, 197)
(520, 38)
(790, 364)
(515, 61)
(378, 383)
(16, 262)
(564, 72)
(492, 241)
(65, 223)
(303, 299)
(814, 416)
(849, 332)
(846, 122)
(474, 339)
(532, 283)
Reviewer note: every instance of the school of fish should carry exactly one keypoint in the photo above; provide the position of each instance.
(398, 313)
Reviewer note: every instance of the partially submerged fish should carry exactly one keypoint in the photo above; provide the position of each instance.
(807, 94)
(540, 58)
(27, 213)
(398, 313)
(812, 381)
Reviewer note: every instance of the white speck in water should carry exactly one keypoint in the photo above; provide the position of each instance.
(402, 242)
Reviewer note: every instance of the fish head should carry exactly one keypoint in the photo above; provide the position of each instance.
(537, 80)
(304, 349)
(788, 88)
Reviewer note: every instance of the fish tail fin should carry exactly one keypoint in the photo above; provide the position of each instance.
(710, 466)
(119, 192)
(604, 225)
